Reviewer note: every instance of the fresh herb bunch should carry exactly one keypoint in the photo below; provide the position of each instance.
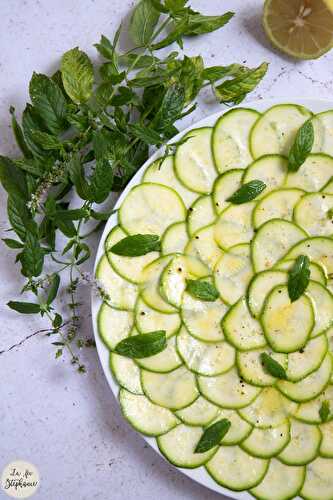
(88, 130)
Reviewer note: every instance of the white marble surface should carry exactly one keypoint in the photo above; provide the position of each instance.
(68, 425)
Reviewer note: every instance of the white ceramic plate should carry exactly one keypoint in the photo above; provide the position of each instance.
(200, 475)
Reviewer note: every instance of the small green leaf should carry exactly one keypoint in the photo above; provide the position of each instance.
(124, 96)
(24, 307)
(142, 346)
(31, 121)
(324, 411)
(299, 277)
(13, 179)
(53, 290)
(18, 215)
(142, 24)
(302, 146)
(202, 290)
(12, 243)
(137, 61)
(235, 90)
(213, 435)
(57, 321)
(215, 73)
(45, 140)
(20, 141)
(103, 216)
(77, 75)
(147, 135)
(198, 24)
(58, 353)
(170, 108)
(247, 192)
(273, 367)
(136, 245)
(32, 257)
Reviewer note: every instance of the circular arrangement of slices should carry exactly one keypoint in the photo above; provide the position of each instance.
(213, 366)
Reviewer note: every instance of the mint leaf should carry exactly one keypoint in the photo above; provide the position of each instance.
(198, 24)
(142, 346)
(142, 24)
(12, 243)
(215, 73)
(148, 135)
(77, 75)
(235, 90)
(32, 257)
(247, 192)
(302, 146)
(18, 215)
(272, 366)
(31, 121)
(143, 61)
(12, 179)
(46, 141)
(213, 435)
(31, 165)
(170, 108)
(202, 290)
(188, 73)
(24, 307)
(18, 134)
(136, 245)
(324, 411)
(299, 277)
(53, 290)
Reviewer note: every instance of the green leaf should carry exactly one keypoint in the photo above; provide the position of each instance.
(83, 250)
(18, 134)
(57, 321)
(77, 75)
(49, 102)
(136, 245)
(12, 243)
(75, 171)
(171, 108)
(18, 216)
(53, 290)
(302, 146)
(74, 214)
(124, 96)
(58, 353)
(213, 435)
(215, 73)
(24, 307)
(142, 24)
(137, 61)
(147, 135)
(247, 192)
(46, 141)
(175, 35)
(30, 165)
(235, 90)
(324, 411)
(66, 226)
(13, 179)
(273, 367)
(202, 290)
(142, 346)
(101, 181)
(105, 48)
(299, 277)
(188, 74)
(198, 24)
(31, 121)
(32, 257)
(103, 216)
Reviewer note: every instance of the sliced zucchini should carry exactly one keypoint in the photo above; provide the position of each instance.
(130, 268)
(234, 225)
(122, 294)
(275, 130)
(312, 213)
(251, 369)
(230, 139)
(323, 126)
(280, 483)
(144, 416)
(313, 175)
(242, 330)
(150, 288)
(326, 446)
(200, 214)
(148, 320)
(272, 242)
(179, 444)
(318, 484)
(228, 390)
(287, 325)
(304, 444)
(308, 359)
(201, 412)
(309, 412)
(173, 390)
(114, 325)
(239, 429)
(270, 169)
(267, 443)
(278, 204)
(204, 246)
(226, 185)
(175, 238)
(205, 358)
(322, 301)
(150, 209)
(235, 469)
(194, 164)
(328, 188)
(233, 273)
(126, 372)
(163, 362)
(317, 272)
(318, 248)
(269, 409)
(259, 288)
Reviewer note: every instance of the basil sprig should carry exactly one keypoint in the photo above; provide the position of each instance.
(213, 435)
(324, 411)
(272, 366)
(143, 345)
(202, 290)
(299, 277)
(247, 192)
(136, 245)
(302, 146)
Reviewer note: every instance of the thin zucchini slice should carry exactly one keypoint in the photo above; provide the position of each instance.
(251, 369)
(280, 483)
(150, 209)
(230, 139)
(328, 188)
(126, 372)
(228, 390)
(304, 444)
(313, 175)
(322, 300)
(194, 163)
(277, 204)
(204, 246)
(318, 248)
(242, 330)
(234, 225)
(312, 213)
(323, 126)
(267, 443)
(317, 272)
(233, 273)
(259, 288)
(235, 469)
(130, 268)
(239, 429)
(309, 412)
(122, 294)
(173, 390)
(275, 130)
(226, 185)
(308, 359)
(326, 446)
(175, 238)
(272, 242)
(163, 362)
(270, 169)
(287, 325)
(148, 320)
(200, 214)
(318, 484)
(150, 288)
(144, 416)
(113, 325)
(201, 412)
(269, 409)
(205, 358)
(179, 444)
(163, 173)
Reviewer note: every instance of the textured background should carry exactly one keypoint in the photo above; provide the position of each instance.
(68, 425)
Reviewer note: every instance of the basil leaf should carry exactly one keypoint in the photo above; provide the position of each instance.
(299, 276)
(13, 179)
(213, 435)
(53, 290)
(273, 367)
(247, 192)
(235, 90)
(24, 307)
(147, 135)
(136, 245)
(19, 137)
(12, 243)
(324, 411)
(143, 22)
(202, 290)
(142, 346)
(302, 146)
(77, 75)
